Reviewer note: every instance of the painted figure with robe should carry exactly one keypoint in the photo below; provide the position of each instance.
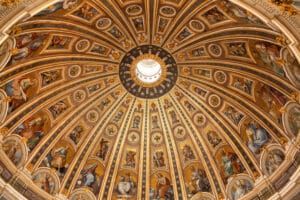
(18, 91)
(257, 137)
(240, 188)
(33, 130)
(163, 189)
(274, 160)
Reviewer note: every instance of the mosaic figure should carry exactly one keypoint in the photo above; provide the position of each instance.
(91, 177)
(130, 159)
(243, 85)
(174, 117)
(50, 77)
(188, 153)
(185, 33)
(274, 160)
(294, 119)
(213, 138)
(26, 44)
(33, 129)
(271, 100)
(126, 186)
(136, 121)
(46, 181)
(270, 55)
(240, 188)
(59, 158)
(198, 181)
(241, 13)
(229, 163)
(291, 66)
(59, 42)
(158, 159)
(76, 134)
(233, 115)
(58, 108)
(257, 137)
(163, 188)
(66, 4)
(103, 149)
(155, 122)
(237, 49)
(214, 16)
(13, 149)
(19, 90)
(116, 33)
(86, 12)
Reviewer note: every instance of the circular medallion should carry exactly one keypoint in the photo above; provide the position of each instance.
(197, 26)
(111, 130)
(215, 50)
(214, 100)
(133, 137)
(148, 72)
(103, 23)
(74, 71)
(179, 132)
(82, 45)
(220, 77)
(92, 116)
(157, 138)
(199, 119)
(167, 11)
(79, 96)
(133, 10)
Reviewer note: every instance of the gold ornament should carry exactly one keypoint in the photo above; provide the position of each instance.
(14, 51)
(3, 131)
(115, 54)
(24, 139)
(295, 96)
(282, 110)
(285, 6)
(157, 38)
(181, 56)
(127, 44)
(281, 40)
(171, 45)
(142, 37)
(283, 141)
(256, 175)
(7, 99)
(221, 196)
(9, 3)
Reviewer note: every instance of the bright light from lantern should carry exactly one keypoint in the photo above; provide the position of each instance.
(148, 70)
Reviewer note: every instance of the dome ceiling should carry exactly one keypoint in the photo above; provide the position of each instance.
(81, 120)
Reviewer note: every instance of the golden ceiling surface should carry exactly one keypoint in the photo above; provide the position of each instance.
(221, 122)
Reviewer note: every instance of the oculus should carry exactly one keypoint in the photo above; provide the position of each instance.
(148, 72)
